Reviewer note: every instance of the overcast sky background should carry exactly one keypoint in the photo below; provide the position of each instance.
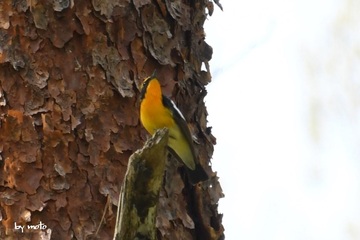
(284, 104)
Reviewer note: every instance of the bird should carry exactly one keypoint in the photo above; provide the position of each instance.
(156, 112)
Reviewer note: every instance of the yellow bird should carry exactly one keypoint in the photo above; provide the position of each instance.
(158, 111)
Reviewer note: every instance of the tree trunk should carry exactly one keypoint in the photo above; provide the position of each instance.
(70, 74)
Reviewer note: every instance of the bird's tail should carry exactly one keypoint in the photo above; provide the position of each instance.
(197, 175)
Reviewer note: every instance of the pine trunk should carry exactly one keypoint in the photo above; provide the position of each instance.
(70, 74)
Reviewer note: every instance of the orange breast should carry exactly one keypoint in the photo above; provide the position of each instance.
(154, 115)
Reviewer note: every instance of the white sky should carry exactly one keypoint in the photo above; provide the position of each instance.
(284, 104)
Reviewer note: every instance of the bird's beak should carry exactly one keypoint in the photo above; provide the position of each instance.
(153, 75)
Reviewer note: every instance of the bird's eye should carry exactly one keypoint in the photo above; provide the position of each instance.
(145, 82)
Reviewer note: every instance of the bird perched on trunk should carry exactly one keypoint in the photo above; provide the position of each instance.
(158, 111)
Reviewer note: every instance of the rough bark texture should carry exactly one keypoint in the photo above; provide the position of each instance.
(70, 73)
(139, 196)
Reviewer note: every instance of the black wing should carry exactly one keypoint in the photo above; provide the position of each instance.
(180, 121)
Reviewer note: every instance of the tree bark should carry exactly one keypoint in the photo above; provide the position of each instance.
(139, 196)
(70, 74)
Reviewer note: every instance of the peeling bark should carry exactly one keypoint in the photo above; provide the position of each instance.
(70, 73)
